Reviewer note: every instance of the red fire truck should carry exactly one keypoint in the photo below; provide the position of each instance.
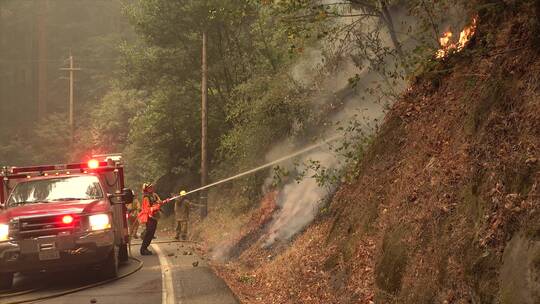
(59, 217)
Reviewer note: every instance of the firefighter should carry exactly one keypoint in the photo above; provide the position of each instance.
(134, 210)
(149, 215)
(181, 215)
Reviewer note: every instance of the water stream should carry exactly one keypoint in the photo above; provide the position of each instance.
(270, 164)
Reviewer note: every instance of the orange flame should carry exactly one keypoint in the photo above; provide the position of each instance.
(464, 37)
(445, 39)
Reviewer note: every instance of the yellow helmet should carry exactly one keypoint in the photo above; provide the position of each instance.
(147, 186)
(183, 192)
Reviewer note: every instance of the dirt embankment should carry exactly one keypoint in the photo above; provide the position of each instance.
(446, 208)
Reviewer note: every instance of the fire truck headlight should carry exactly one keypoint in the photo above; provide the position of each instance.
(4, 232)
(99, 222)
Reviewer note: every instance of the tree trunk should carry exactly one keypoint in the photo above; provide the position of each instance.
(204, 133)
(386, 16)
(536, 38)
(537, 11)
(41, 41)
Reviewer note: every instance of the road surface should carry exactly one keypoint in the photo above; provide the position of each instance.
(167, 277)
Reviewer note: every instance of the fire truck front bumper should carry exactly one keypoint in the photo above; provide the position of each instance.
(59, 252)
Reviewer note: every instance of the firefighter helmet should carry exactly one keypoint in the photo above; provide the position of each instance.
(147, 187)
(183, 192)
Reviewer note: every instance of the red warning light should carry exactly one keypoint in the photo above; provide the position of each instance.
(67, 219)
(93, 164)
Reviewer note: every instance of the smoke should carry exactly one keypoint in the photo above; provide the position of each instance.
(299, 202)
(304, 71)
(364, 104)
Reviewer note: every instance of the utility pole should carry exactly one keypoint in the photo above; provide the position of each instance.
(71, 70)
(204, 128)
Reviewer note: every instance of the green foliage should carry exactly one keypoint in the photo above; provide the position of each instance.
(47, 142)
(263, 111)
(257, 98)
(251, 98)
(89, 30)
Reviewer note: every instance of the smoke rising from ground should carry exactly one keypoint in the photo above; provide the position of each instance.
(300, 202)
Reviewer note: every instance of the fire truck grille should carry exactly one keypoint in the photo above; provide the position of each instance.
(41, 226)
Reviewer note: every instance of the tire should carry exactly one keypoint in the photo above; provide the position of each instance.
(123, 253)
(6, 280)
(109, 267)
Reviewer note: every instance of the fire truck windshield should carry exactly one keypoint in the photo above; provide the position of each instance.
(55, 189)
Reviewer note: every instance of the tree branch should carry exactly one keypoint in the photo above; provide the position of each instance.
(336, 15)
(364, 4)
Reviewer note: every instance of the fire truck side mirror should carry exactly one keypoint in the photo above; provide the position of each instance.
(128, 196)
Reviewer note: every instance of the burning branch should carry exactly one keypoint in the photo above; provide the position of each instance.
(464, 37)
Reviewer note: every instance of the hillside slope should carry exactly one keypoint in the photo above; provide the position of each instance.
(446, 205)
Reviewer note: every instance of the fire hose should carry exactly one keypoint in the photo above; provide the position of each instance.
(70, 291)
(270, 164)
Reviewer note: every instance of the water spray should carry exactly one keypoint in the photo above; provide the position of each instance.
(270, 164)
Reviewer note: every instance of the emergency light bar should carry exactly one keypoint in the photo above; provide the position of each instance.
(92, 164)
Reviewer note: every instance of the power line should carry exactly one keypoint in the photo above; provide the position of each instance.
(82, 59)
(60, 60)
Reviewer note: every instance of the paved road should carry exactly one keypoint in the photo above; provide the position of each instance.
(167, 277)
(191, 285)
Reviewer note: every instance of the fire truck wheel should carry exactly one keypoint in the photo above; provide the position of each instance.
(6, 280)
(109, 268)
(123, 255)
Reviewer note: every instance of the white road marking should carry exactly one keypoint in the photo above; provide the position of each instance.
(167, 286)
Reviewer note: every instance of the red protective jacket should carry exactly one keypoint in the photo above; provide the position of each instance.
(150, 206)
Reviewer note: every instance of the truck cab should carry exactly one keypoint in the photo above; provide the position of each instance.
(63, 216)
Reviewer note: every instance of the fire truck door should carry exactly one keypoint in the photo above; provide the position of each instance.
(112, 185)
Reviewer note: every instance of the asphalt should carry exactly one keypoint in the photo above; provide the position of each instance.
(194, 285)
(167, 278)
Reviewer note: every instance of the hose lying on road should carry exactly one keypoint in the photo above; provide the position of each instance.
(71, 291)
(19, 293)
(167, 242)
